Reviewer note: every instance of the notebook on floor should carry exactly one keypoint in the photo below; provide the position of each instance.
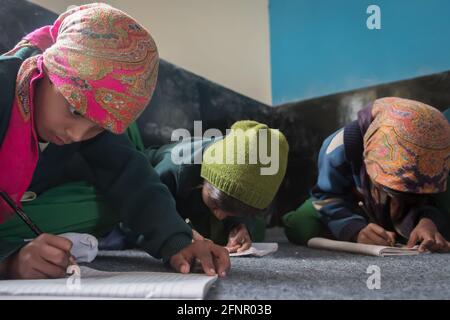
(97, 284)
(258, 249)
(367, 249)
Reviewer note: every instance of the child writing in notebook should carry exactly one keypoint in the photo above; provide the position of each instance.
(71, 89)
(379, 178)
(224, 201)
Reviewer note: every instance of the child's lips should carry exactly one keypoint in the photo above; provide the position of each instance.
(59, 141)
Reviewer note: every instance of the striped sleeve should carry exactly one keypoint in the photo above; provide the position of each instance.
(332, 194)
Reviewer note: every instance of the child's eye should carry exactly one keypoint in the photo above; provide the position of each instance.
(74, 111)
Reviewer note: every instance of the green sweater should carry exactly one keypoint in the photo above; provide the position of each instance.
(184, 182)
(120, 173)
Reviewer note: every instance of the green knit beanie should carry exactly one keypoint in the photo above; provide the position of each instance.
(243, 166)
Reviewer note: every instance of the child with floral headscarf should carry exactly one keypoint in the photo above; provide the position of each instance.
(378, 177)
(71, 89)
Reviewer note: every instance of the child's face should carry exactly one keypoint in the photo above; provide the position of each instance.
(55, 121)
(397, 201)
(208, 201)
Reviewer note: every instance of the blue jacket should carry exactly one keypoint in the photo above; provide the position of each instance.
(339, 188)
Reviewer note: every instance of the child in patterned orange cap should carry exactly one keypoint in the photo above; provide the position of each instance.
(406, 157)
(379, 175)
(72, 89)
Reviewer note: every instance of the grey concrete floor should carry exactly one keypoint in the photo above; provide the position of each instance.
(296, 272)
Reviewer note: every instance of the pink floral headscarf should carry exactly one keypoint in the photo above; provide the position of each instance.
(102, 61)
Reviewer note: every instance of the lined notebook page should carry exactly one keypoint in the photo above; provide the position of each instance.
(126, 285)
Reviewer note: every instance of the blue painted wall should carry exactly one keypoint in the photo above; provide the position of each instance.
(320, 47)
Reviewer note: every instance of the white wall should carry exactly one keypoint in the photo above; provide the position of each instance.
(226, 41)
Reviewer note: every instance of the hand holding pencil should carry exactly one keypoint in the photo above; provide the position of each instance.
(46, 256)
(377, 235)
(374, 233)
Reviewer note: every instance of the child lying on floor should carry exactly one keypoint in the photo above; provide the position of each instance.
(236, 194)
(379, 178)
(223, 202)
(72, 89)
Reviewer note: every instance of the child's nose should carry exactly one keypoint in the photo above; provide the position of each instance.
(74, 136)
(220, 214)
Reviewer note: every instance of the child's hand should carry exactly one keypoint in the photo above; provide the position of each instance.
(429, 237)
(377, 235)
(47, 256)
(239, 239)
(214, 259)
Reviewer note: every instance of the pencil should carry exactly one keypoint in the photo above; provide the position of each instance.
(371, 217)
(21, 214)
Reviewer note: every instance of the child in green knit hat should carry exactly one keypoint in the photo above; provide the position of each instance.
(235, 184)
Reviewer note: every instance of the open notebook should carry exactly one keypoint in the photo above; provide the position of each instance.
(258, 249)
(367, 249)
(112, 285)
